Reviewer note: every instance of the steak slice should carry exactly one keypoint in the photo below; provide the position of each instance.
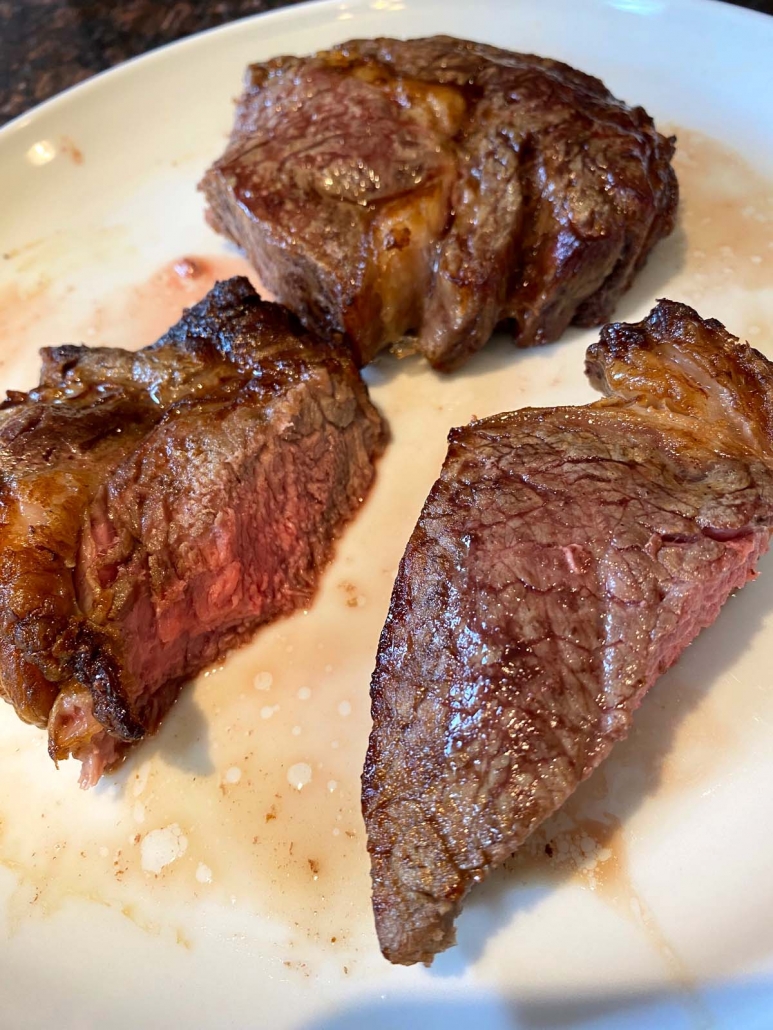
(436, 187)
(563, 560)
(156, 507)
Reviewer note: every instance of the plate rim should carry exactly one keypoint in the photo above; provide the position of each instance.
(317, 11)
(632, 8)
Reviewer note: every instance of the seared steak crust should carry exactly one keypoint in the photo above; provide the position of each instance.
(436, 187)
(563, 560)
(158, 506)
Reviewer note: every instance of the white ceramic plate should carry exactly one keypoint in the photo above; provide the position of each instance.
(657, 904)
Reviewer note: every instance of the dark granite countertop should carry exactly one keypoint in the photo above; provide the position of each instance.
(48, 45)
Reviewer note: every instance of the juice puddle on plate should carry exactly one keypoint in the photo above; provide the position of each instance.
(249, 796)
(36, 311)
(139, 316)
(725, 231)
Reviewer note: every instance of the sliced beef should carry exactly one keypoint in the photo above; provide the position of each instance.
(563, 561)
(156, 507)
(434, 188)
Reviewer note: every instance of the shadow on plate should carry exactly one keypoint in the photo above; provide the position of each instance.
(722, 1007)
(183, 742)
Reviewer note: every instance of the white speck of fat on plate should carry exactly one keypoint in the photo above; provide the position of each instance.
(299, 775)
(263, 681)
(159, 848)
(203, 873)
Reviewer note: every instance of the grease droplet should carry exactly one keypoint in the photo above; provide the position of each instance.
(161, 847)
(299, 775)
(203, 873)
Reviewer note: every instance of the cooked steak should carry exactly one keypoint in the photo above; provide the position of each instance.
(156, 507)
(563, 560)
(435, 187)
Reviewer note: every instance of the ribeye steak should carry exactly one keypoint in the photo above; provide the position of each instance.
(563, 560)
(155, 507)
(435, 188)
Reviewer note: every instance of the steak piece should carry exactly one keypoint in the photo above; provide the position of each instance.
(563, 560)
(435, 187)
(156, 507)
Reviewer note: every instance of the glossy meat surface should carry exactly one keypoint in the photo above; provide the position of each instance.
(156, 507)
(433, 188)
(563, 560)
